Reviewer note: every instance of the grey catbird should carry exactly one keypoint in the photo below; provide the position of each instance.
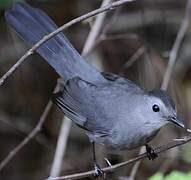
(112, 110)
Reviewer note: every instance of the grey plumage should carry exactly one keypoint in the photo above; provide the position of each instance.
(32, 24)
(167, 100)
(96, 107)
(112, 110)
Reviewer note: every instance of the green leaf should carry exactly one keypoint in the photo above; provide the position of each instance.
(157, 176)
(176, 175)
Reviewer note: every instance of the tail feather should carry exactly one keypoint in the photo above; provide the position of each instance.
(32, 24)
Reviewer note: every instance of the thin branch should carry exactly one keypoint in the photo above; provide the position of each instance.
(107, 37)
(66, 123)
(176, 46)
(61, 147)
(24, 129)
(30, 136)
(139, 52)
(95, 29)
(136, 165)
(110, 23)
(65, 26)
(113, 168)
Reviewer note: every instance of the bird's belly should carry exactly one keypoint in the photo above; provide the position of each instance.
(132, 140)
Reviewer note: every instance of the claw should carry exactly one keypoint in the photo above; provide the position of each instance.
(151, 154)
(98, 171)
(108, 163)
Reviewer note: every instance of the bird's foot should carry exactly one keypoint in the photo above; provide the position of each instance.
(98, 171)
(151, 154)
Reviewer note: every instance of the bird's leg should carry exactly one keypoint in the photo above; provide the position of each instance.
(151, 154)
(98, 171)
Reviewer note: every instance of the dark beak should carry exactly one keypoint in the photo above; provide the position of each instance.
(177, 121)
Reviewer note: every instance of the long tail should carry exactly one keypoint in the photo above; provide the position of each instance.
(32, 24)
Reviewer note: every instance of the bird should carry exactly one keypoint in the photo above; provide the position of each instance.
(112, 110)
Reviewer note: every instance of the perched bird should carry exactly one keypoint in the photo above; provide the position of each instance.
(112, 110)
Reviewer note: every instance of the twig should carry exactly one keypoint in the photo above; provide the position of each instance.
(136, 165)
(176, 46)
(29, 137)
(95, 29)
(158, 150)
(139, 52)
(31, 51)
(24, 129)
(110, 23)
(61, 147)
(65, 26)
(66, 123)
(104, 37)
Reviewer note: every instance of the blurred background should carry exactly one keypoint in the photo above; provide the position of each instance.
(135, 42)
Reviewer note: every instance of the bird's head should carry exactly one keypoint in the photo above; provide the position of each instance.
(161, 108)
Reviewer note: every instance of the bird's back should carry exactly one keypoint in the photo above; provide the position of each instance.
(99, 108)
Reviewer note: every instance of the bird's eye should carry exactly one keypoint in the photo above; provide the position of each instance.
(156, 108)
